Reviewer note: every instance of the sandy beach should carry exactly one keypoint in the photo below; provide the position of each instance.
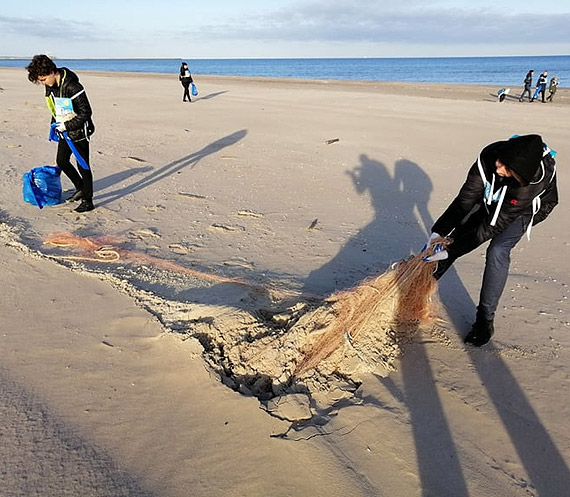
(121, 376)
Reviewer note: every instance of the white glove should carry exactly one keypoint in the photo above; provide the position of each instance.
(439, 255)
(60, 127)
(431, 238)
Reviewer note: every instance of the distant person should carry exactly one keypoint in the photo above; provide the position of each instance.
(527, 86)
(71, 113)
(510, 188)
(554, 82)
(540, 86)
(186, 79)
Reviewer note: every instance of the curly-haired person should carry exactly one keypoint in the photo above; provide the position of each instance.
(71, 111)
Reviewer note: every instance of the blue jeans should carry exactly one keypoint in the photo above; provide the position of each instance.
(497, 261)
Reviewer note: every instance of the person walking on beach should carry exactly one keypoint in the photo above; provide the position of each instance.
(541, 86)
(527, 86)
(510, 188)
(554, 82)
(70, 114)
(186, 79)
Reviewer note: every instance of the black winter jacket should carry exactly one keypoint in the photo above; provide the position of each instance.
(81, 126)
(472, 218)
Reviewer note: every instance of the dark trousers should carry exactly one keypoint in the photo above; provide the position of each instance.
(186, 92)
(526, 90)
(82, 180)
(497, 261)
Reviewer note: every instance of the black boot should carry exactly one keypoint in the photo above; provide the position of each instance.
(85, 206)
(481, 332)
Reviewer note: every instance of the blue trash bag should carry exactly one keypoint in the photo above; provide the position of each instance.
(42, 186)
(194, 90)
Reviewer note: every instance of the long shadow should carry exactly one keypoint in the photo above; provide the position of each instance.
(211, 95)
(108, 181)
(544, 464)
(386, 239)
(39, 440)
(392, 235)
(173, 167)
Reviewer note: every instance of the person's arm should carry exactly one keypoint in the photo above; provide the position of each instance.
(470, 194)
(81, 106)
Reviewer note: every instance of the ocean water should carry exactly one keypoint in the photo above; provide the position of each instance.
(497, 71)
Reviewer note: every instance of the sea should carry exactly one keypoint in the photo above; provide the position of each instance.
(496, 71)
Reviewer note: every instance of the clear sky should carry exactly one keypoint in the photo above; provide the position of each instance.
(193, 29)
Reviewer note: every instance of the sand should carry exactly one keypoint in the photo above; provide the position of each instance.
(245, 209)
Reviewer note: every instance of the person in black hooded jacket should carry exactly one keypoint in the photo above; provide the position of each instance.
(186, 79)
(61, 83)
(510, 188)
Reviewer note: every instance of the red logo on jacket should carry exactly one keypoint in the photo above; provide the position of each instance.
(514, 201)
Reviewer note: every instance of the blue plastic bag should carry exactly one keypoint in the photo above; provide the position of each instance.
(42, 186)
(194, 90)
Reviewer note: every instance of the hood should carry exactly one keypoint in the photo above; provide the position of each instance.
(67, 75)
(522, 155)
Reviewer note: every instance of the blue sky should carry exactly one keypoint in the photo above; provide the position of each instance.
(283, 28)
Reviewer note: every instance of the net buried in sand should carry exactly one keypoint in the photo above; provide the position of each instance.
(351, 331)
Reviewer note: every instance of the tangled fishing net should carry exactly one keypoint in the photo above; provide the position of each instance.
(107, 249)
(352, 331)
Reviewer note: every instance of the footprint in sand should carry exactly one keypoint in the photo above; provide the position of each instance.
(238, 262)
(144, 234)
(178, 248)
(153, 208)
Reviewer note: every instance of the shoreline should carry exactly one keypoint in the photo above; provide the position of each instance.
(449, 91)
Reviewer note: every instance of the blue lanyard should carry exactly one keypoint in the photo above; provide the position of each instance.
(54, 137)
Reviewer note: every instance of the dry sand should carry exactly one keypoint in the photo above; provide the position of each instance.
(117, 378)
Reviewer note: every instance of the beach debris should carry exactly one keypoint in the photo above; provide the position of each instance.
(384, 308)
(225, 227)
(154, 208)
(247, 213)
(228, 157)
(313, 224)
(106, 249)
(192, 195)
(133, 158)
(311, 344)
(299, 343)
(144, 233)
(332, 140)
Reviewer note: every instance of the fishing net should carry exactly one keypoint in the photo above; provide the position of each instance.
(266, 354)
(380, 311)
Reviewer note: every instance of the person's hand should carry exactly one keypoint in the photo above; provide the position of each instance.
(60, 127)
(438, 255)
(431, 238)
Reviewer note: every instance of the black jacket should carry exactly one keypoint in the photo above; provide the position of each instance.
(473, 218)
(81, 126)
(185, 77)
(528, 80)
